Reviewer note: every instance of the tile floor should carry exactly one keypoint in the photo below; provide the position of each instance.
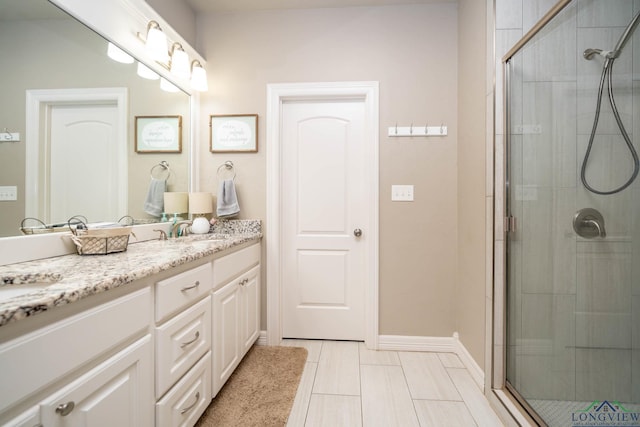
(344, 384)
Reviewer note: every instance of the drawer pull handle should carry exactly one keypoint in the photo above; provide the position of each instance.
(188, 288)
(184, 344)
(188, 408)
(65, 409)
(244, 282)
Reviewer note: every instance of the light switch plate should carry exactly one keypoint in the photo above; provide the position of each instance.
(8, 193)
(402, 193)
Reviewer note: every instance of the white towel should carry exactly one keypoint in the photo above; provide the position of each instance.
(154, 203)
(227, 199)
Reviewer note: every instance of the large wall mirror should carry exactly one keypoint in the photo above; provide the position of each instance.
(47, 57)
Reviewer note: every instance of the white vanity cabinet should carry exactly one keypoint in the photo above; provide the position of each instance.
(82, 370)
(236, 310)
(183, 346)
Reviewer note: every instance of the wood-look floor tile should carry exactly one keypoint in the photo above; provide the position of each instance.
(377, 357)
(478, 405)
(328, 410)
(298, 413)
(338, 369)
(427, 377)
(385, 397)
(450, 360)
(443, 413)
(313, 347)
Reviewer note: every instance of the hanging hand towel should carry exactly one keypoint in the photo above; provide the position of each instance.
(227, 199)
(154, 203)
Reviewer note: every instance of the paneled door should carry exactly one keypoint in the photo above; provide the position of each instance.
(323, 219)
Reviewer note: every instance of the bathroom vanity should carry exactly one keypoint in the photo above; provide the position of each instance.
(140, 338)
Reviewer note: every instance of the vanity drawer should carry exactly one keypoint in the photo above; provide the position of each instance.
(190, 397)
(180, 343)
(230, 266)
(181, 290)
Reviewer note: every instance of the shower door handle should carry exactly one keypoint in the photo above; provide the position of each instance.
(589, 223)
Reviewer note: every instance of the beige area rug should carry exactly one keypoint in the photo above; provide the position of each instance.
(261, 390)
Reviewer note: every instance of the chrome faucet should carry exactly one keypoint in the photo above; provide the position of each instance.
(177, 230)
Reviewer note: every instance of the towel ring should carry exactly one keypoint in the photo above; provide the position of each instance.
(228, 166)
(164, 167)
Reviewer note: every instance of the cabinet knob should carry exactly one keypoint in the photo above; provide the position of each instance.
(65, 409)
(357, 232)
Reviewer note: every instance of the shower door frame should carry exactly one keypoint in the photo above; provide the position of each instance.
(504, 391)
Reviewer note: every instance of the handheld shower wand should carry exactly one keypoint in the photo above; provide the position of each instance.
(607, 76)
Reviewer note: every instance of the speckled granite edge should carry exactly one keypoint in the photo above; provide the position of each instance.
(233, 226)
(75, 277)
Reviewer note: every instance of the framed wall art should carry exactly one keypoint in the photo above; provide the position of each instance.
(233, 133)
(158, 134)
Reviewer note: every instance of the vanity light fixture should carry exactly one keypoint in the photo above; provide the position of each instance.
(198, 77)
(118, 55)
(167, 86)
(146, 72)
(179, 62)
(156, 43)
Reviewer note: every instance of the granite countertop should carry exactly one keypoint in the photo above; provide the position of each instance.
(74, 277)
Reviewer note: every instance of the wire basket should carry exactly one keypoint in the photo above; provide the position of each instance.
(100, 241)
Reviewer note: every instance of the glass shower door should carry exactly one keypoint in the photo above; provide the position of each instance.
(573, 291)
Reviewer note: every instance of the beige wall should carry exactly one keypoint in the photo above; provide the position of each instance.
(411, 51)
(470, 289)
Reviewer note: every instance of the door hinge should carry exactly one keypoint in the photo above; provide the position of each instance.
(509, 224)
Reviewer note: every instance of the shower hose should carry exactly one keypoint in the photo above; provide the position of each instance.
(607, 76)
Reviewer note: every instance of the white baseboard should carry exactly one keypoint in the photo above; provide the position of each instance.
(469, 362)
(262, 338)
(434, 344)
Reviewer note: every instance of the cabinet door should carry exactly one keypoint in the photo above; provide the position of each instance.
(118, 392)
(226, 333)
(250, 312)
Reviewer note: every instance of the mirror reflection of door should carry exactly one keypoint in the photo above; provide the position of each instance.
(83, 170)
(77, 149)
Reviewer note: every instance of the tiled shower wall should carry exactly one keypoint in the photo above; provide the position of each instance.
(574, 326)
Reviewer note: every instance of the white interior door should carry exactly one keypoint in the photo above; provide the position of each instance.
(323, 206)
(84, 173)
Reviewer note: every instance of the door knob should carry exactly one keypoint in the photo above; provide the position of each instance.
(357, 232)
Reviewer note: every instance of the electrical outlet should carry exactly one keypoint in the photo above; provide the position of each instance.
(402, 193)
(8, 193)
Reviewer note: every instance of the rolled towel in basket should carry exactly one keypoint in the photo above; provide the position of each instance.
(227, 199)
(154, 203)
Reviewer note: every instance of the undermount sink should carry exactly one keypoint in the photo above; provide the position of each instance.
(15, 290)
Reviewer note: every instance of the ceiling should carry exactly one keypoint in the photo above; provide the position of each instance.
(204, 6)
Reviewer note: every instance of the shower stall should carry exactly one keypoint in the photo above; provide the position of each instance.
(572, 315)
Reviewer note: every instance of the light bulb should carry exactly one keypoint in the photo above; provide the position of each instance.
(118, 55)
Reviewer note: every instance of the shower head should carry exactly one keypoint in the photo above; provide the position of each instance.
(588, 54)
